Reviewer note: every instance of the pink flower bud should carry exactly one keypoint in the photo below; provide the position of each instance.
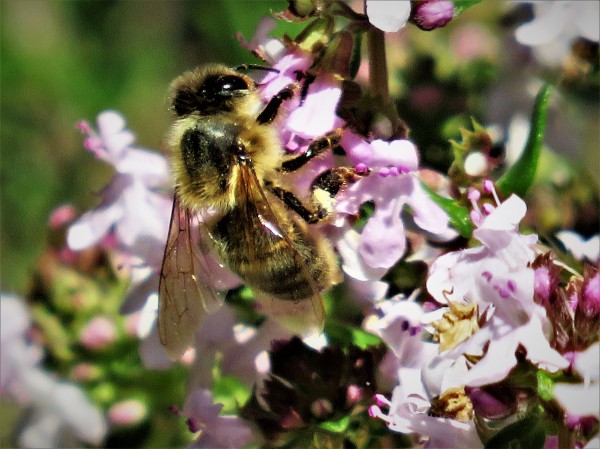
(488, 405)
(127, 413)
(85, 372)
(542, 284)
(98, 334)
(591, 295)
(431, 14)
(61, 216)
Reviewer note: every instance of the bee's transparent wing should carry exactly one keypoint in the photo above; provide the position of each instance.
(298, 316)
(185, 295)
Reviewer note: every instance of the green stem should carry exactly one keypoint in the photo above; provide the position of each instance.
(378, 64)
(378, 81)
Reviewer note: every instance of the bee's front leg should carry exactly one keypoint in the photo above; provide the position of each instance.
(269, 112)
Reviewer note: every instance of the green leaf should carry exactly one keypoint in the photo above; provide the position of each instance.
(230, 392)
(338, 426)
(461, 5)
(364, 339)
(457, 214)
(520, 176)
(527, 433)
(545, 384)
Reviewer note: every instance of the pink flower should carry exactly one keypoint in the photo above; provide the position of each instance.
(288, 67)
(98, 334)
(496, 273)
(408, 412)
(496, 276)
(127, 413)
(398, 323)
(130, 207)
(392, 184)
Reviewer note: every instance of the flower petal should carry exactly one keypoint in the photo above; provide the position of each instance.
(388, 15)
(91, 227)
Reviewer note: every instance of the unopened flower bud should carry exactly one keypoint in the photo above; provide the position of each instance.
(61, 216)
(303, 8)
(127, 413)
(431, 14)
(321, 408)
(591, 296)
(85, 372)
(542, 284)
(98, 334)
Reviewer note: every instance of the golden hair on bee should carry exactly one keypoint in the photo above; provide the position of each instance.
(227, 156)
(216, 110)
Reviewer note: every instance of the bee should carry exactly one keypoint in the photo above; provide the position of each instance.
(227, 158)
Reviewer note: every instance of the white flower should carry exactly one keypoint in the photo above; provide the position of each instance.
(583, 399)
(497, 277)
(130, 206)
(580, 247)
(555, 26)
(388, 15)
(61, 414)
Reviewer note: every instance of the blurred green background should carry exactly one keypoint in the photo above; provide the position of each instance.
(63, 61)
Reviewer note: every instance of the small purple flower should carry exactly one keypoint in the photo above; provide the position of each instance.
(130, 206)
(392, 184)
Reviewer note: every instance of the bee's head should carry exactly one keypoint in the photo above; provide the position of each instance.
(209, 90)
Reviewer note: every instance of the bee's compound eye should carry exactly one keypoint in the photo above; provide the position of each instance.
(223, 86)
(184, 102)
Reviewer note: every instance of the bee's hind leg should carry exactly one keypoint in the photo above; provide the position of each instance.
(316, 148)
(323, 191)
(327, 185)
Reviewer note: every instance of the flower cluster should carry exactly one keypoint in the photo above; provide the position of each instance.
(454, 324)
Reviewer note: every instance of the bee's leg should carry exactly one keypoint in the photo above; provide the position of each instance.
(327, 185)
(323, 191)
(316, 147)
(308, 80)
(269, 112)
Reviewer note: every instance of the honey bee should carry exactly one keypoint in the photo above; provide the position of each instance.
(227, 158)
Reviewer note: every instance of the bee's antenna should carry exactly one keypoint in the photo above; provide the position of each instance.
(244, 67)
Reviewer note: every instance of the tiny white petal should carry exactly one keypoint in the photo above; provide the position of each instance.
(91, 227)
(388, 15)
